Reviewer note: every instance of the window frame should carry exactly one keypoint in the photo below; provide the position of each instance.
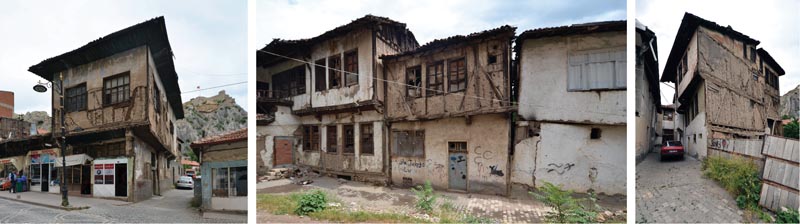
(350, 68)
(311, 138)
(435, 88)
(332, 135)
(409, 86)
(320, 74)
(335, 71)
(156, 98)
(125, 88)
(459, 80)
(413, 135)
(348, 138)
(75, 100)
(617, 65)
(367, 138)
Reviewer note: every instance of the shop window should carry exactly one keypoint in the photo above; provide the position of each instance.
(311, 138)
(334, 71)
(319, 75)
(408, 143)
(435, 79)
(414, 81)
(332, 139)
(367, 140)
(349, 139)
(116, 89)
(351, 68)
(76, 98)
(457, 75)
(229, 182)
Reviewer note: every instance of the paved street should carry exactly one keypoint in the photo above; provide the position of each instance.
(173, 206)
(519, 207)
(676, 191)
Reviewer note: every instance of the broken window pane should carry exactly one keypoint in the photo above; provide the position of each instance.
(349, 139)
(414, 77)
(457, 75)
(435, 79)
(367, 139)
(351, 68)
(334, 71)
(319, 75)
(332, 139)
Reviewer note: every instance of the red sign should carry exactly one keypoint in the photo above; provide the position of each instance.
(109, 166)
(98, 166)
(5, 161)
(44, 151)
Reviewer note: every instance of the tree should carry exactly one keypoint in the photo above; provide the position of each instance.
(791, 130)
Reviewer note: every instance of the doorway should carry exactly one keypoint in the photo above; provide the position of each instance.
(45, 178)
(121, 180)
(457, 169)
(283, 151)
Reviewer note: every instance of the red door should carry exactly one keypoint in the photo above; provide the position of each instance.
(283, 151)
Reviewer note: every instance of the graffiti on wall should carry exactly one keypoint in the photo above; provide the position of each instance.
(495, 171)
(559, 168)
(480, 157)
(719, 143)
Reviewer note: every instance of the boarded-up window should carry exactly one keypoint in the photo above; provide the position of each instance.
(408, 143)
(311, 138)
(334, 71)
(414, 81)
(367, 145)
(349, 139)
(332, 139)
(291, 82)
(435, 79)
(319, 75)
(351, 68)
(76, 98)
(590, 70)
(457, 75)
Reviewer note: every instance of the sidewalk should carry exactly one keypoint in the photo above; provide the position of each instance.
(51, 200)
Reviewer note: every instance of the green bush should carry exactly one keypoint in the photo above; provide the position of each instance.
(311, 202)
(788, 216)
(566, 209)
(738, 176)
(425, 197)
(792, 129)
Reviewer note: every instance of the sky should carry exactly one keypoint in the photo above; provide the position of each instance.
(775, 23)
(208, 38)
(428, 20)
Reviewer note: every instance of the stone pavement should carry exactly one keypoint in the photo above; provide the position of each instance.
(676, 191)
(519, 207)
(172, 206)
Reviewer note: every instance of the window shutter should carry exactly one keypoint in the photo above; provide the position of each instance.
(597, 70)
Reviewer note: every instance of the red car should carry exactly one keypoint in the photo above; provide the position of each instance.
(672, 148)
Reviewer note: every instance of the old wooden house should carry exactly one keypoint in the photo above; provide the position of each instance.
(121, 100)
(321, 101)
(648, 94)
(447, 113)
(726, 87)
(571, 127)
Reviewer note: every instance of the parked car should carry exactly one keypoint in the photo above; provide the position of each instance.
(185, 182)
(672, 148)
(5, 184)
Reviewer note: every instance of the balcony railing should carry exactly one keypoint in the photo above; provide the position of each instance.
(273, 96)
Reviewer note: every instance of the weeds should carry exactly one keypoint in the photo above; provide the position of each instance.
(737, 176)
(425, 197)
(787, 216)
(311, 202)
(566, 209)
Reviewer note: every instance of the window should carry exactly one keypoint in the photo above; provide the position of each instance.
(367, 146)
(76, 98)
(435, 79)
(116, 89)
(592, 70)
(753, 54)
(492, 59)
(595, 133)
(229, 181)
(408, 143)
(319, 75)
(311, 138)
(457, 146)
(771, 78)
(351, 67)
(414, 81)
(332, 138)
(171, 128)
(108, 150)
(290, 83)
(349, 139)
(334, 71)
(457, 75)
(156, 98)
(744, 50)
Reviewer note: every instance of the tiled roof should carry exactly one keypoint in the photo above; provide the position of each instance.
(234, 136)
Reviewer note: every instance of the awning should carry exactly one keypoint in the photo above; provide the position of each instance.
(11, 160)
(74, 160)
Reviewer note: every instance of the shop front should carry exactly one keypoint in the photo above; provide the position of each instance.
(110, 177)
(77, 175)
(41, 171)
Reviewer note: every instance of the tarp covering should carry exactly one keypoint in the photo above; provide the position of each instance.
(10, 160)
(74, 160)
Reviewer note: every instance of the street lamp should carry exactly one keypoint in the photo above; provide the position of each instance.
(42, 87)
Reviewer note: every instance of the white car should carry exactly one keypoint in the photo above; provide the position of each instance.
(185, 182)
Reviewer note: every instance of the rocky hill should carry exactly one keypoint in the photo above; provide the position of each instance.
(208, 116)
(39, 118)
(790, 103)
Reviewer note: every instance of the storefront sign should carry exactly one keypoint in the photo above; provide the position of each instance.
(98, 174)
(103, 173)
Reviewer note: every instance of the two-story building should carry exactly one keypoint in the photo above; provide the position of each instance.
(726, 88)
(320, 99)
(448, 110)
(121, 98)
(571, 129)
(648, 94)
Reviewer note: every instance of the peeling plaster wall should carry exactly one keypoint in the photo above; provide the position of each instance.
(285, 124)
(543, 79)
(226, 152)
(265, 75)
(161, 120)
(567, 156)
(340, 162)
(143, 175)
(98, 116)
(360, 40)
(646, 116)
(487, 156)
(696, 129)
(524, 162)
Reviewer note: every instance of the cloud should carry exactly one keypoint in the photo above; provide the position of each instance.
(775, 23)
(208, 38)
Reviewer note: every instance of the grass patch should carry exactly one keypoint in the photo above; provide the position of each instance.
(288, 204)
(337, 215)
(278, 204)
(738, 176)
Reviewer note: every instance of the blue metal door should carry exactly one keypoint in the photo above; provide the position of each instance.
(457, 172)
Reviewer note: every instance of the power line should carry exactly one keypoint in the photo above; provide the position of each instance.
(428, 89)
(214, 87)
